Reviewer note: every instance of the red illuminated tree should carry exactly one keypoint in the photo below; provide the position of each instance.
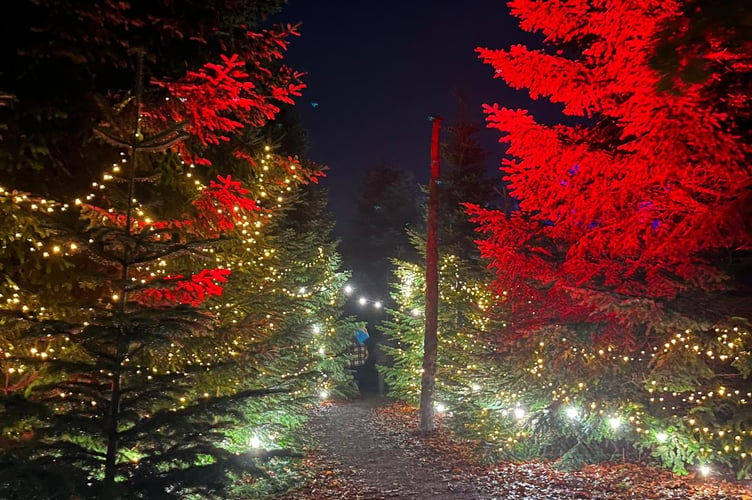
(624, 266)
(639, 202)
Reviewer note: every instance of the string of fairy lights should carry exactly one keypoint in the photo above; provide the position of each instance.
(370, 303)
(730, 345)
(322, 329)
(362, 300)
(579, 401)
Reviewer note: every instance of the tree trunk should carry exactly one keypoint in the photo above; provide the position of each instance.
(112, 428)
(430, 339)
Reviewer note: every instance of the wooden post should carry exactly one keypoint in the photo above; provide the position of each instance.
(430, 339)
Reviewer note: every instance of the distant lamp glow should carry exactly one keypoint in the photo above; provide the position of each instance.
(302, 290)
(362, 301)
(416, 311)
(316, 329)
(661, 437)
(614, 422)
(441, 407)
(322, 351)
(323, 394)
(255, 442)
(377, 304)
(704, 470)
(519, 412)
(348, 289)
(572, 412)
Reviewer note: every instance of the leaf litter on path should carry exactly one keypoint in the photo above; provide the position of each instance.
(371, 449)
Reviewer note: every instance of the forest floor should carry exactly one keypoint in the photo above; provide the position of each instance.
(371, 449)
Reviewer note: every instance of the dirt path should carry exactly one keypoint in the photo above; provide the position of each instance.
(363, 458)
(370, 449)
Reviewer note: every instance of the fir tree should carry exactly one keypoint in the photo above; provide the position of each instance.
(111, 416)
(281, 316)
(385, 209)
(464, 179)
(467, 373)
(623, 224)
(58, 57)
(133, 380)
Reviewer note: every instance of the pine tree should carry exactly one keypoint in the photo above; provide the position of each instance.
(59, 56)
(467, 375)
(133, 380)
(385, 208)
(464, 179)
(622, 225)
(110, 416)
(281, 313)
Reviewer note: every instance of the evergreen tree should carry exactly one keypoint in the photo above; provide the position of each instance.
(467, 374)
(113, 414)
(58, 57)
(385, 208)
(281, 313)
(622, 225)
(134, 379)
(464, 179)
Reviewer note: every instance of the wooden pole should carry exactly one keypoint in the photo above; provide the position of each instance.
(430, 339)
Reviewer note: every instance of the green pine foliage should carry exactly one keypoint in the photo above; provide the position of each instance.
(557, 394)
(467, 372)
(676, 393)
(117, 389)
(681, 401)
(288, 306)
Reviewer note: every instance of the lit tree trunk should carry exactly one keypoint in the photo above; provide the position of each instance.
(430, 339)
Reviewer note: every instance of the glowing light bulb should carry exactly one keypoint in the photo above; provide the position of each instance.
(572, 412)
(377, 304)
(348, 289)
(614, 422)
(704, 470)
(519, 412)
(362, 301)
(441, 407)
(255, 442)
(323, 394)
(661, 437)
(316, 329)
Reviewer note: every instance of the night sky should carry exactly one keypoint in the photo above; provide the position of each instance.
(376, 71)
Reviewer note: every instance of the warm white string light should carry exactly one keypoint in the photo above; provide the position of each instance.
(349, 290)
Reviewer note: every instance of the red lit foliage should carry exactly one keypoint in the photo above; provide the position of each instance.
(220, 207)
(214, 104)
(637, 204)
(221, 98)
(193, 291)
